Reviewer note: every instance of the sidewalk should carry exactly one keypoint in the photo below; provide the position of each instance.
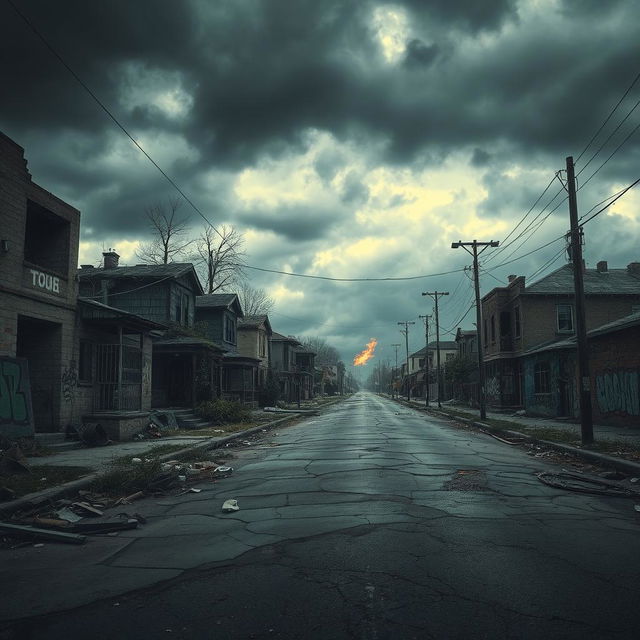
(98, 459)
(616, 447)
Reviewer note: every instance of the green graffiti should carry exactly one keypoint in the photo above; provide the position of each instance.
(13, 404)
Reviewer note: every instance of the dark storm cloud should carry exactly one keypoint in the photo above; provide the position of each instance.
(297, 223)
(419, 55)
(466, 14)
(480, 157)
(260, 74)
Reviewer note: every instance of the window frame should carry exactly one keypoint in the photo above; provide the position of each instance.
(564, 305)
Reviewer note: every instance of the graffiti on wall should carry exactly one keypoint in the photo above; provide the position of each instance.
(16, 417)
(493, 387)
(146, 376)
(69, 381)
(618, 391)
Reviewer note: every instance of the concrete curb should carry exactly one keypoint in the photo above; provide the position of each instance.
(620, 464)
(53, 493)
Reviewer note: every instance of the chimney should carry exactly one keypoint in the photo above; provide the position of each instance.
(110, 259)
(602, 266)
(86, 266)
(512, 278)
(634, 268)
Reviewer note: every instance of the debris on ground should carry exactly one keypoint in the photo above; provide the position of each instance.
(13, 461)
(583, 483)
(230, 505)
(37, 533)
(93, 434)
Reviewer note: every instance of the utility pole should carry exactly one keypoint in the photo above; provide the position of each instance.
(396, 370)
(406, 324)
(586, 418)
(426, 359)
(435, 295)
(474, 245)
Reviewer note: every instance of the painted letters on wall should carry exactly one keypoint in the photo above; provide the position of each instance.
(16, 415)
(617, 391)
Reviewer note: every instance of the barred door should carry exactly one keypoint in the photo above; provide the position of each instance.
(118, 384)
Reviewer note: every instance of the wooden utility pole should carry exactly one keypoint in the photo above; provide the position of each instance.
(435, 295)
(395, 371)
(584, 389)
(476, 281)
(426, 359)
(406, 324)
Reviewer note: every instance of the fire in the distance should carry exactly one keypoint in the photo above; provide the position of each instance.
(364, 356)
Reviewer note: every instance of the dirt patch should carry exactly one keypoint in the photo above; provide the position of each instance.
(467, 480)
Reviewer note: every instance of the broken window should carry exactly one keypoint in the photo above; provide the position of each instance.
(46, 239)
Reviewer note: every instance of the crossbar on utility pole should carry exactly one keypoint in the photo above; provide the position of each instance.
(476, 281)
(406, 324)
(435, 295)
(393, 388)
(584, 394)
(426, 359)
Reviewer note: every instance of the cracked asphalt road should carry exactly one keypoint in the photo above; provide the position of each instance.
(369, 521)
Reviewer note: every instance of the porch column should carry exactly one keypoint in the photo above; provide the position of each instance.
(120, 352)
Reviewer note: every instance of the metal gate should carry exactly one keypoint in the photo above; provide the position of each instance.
(118, 378)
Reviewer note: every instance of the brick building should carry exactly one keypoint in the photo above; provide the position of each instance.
(550, 372)
(39, 236)
(519, 318)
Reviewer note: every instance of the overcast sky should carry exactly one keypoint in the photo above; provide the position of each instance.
(345, 139)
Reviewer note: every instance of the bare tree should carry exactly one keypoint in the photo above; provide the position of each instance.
(325, 353)
(169, 233)
(254, 302)
(219, 257)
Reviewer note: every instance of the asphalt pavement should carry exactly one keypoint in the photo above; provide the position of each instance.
(371, 520)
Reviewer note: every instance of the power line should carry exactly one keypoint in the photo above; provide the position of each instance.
(385, 279)
(609, 138)
(595, 135)
(612, 154)
(597, 213)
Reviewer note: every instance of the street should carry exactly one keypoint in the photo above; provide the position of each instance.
(368, 521)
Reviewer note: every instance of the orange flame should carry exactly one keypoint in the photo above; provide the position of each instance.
(364, 356)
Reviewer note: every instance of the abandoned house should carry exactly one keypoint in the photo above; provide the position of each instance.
(519, 318)
(218, 314)
(185, 366)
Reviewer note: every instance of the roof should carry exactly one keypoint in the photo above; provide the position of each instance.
(612, 281)
(173, 269)
(445, 345)
(187, 342)
(159, 271)
(219, 301)
(278, 337)
(91, 310)
(253, 322)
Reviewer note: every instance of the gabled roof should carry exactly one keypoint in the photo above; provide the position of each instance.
(254, 322)
(220, 301)
(612, 281)
(445, 345)
(278, 337)
(144, 271)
